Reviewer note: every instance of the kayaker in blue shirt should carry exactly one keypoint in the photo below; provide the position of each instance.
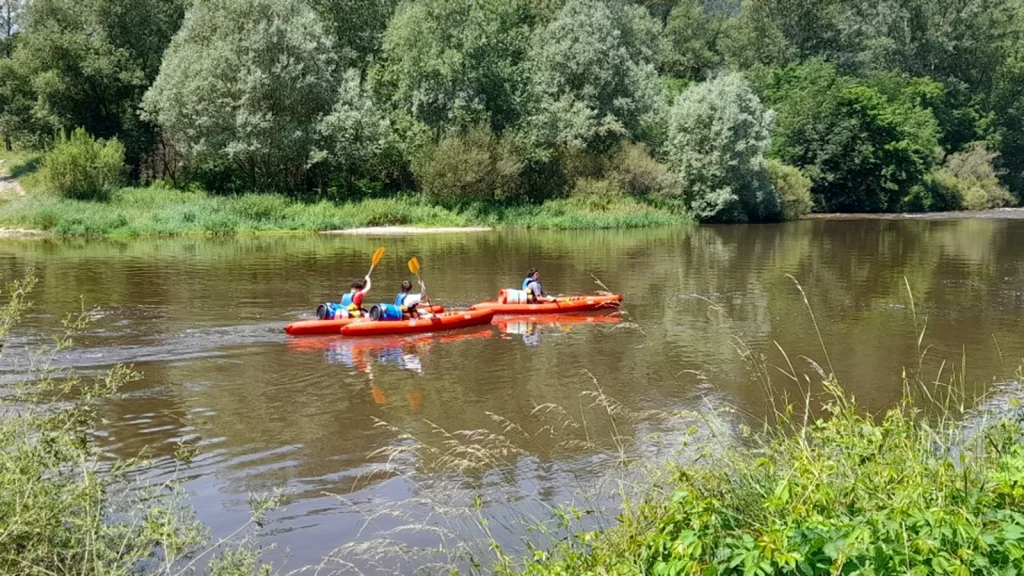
(408, 301)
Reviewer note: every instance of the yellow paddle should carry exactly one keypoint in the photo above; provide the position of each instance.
(414, 267)
(376, 258)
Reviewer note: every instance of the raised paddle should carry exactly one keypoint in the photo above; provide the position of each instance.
(414, 267)
(376, 258)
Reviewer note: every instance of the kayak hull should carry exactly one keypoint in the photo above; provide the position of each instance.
(437, 323)
(333, 327)
(560, 306)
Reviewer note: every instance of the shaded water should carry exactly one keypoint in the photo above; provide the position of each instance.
(203, 320)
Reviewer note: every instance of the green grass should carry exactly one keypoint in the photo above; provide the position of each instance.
(848, 493)
(162, 211)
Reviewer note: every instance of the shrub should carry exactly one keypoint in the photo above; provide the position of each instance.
(633, 169)
(977, 182)
(793, 188)
(596, 188)
(84, 168)
(850, 493)
(863, 149)
(718, 133)
(473, 167)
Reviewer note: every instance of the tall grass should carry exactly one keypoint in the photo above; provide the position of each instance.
(64, 508)
(162, 211)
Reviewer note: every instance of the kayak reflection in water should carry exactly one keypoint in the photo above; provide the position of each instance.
(526, 328)
(360, 358)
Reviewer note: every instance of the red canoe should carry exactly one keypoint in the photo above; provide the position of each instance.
(333, 327)
(559, 306)
(445, 321)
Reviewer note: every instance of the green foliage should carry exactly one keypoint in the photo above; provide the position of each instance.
(81, 167)
(634, 170)
(243, 87)
(477, 166)
(718, 133)
(359, 137)
(971, 176)
(87, 64)
(65, 507)
(690, 41)
(356, 27)
(863, 151)
(451, 65)
(593, 78)
(848, 493)
(793, 188)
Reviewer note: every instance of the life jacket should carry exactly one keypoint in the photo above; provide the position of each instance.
(530, 296)
(348, 304)
(400, 299)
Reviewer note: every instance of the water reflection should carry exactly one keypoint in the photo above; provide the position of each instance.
(203, 318)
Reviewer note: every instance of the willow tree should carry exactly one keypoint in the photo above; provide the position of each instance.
(243, 87)
(718, 134)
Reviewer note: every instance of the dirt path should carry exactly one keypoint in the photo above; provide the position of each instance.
(9, 187)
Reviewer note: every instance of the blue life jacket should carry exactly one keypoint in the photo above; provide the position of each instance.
(346, 301)
(400, 299)
(526, 285)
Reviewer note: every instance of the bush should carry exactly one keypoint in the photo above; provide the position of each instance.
(977, 183)
(793, 188)
(84, 168)
(473, 167)
(718, 133)
(847, 494)
(863, 149)
(633, 169)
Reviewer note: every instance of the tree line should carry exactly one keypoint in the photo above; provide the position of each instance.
(728, 110)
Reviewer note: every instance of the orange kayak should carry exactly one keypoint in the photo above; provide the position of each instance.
(559, 306)
(444, 321)
(327, 327)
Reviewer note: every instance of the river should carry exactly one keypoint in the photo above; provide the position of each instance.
(331, 421)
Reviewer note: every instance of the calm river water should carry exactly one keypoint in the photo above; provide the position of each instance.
(329, 421)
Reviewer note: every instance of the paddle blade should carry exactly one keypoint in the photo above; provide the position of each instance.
(414, 265)
(377, 256)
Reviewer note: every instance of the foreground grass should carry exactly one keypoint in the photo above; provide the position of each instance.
(845, 494)
(162, 211)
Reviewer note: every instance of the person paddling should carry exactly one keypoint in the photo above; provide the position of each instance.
(407, 300)
(352, 301)
(533, 289)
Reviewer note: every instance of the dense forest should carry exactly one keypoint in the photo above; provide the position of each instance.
(725, 110)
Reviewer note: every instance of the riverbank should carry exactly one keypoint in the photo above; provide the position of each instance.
(848, 493)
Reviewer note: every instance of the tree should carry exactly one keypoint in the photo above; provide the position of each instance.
(87, 63)
(690, 41)
(592, 76)
(863, 150)
(718, 134)
(359, 137)
(11, 12)
(243, 87)
(781, 32)
(450, 65)
(356, 27)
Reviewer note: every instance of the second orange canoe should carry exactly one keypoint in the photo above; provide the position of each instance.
(329, 327)
(437, 323)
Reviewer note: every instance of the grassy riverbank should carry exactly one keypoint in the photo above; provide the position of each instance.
(847, 493)
(162, 211)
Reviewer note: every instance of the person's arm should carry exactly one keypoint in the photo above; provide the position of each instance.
(358, 298)
(423, 290)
